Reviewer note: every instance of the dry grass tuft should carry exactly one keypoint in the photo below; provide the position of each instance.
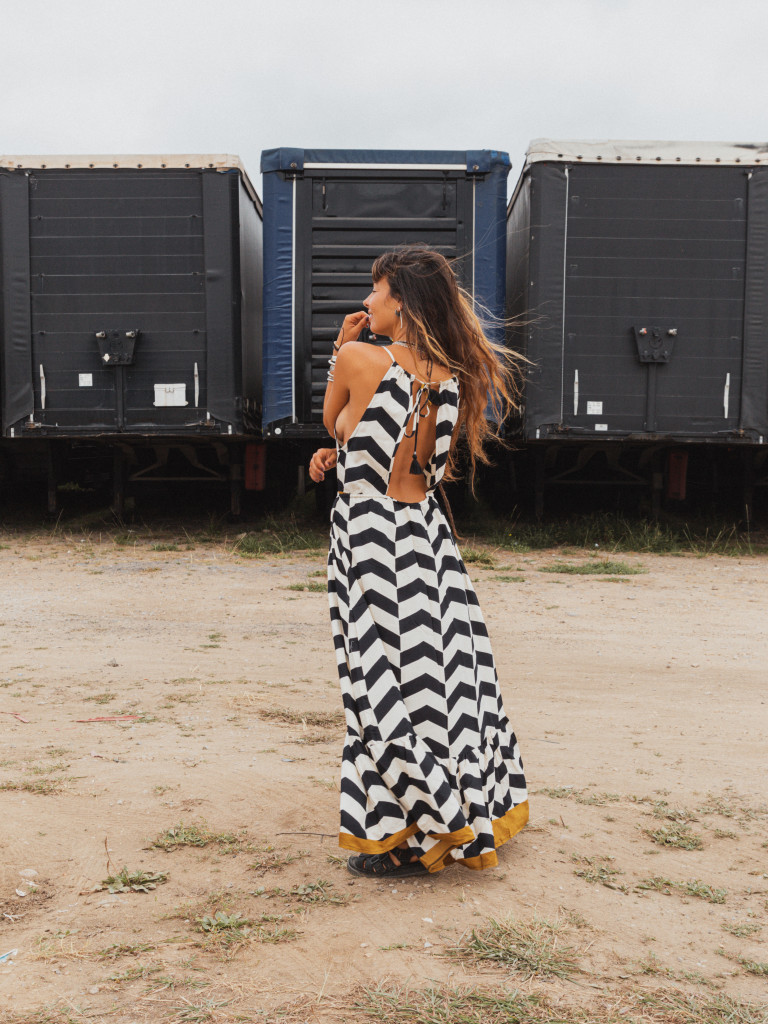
(531, 948)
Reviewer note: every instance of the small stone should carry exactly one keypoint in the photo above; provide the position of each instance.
(427, 945)
(428, 920)
(112, 663)
(93, 990)
(28, 873)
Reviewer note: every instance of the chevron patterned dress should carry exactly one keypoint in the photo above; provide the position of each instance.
(429, 757)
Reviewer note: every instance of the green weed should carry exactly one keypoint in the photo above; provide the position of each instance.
(133, 881)
(675, 834)
(741, 929)
(693, 887)
(596, 870)
(313, 893)
(198, 834)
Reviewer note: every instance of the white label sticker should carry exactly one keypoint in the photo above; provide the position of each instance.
(170, 394)
(601, 426)
(594, 408)
(85, 380)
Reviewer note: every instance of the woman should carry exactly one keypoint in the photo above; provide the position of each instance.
(431, 770)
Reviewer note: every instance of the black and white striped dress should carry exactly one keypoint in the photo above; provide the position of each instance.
(430, 756)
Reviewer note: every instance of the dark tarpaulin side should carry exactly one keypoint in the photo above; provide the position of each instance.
(17, 393)
(222, 306)
(543, 393)
(754, 396)
(277, 355)
(251, 277)
(490, 235)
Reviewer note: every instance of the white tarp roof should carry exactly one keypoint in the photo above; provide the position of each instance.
(216, 161)
(640, 151)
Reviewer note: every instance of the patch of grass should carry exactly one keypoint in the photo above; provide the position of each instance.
(323, 719)
(661, 809)
(220, 922)
(133, 881)
(612, 532)
(760, 969)
(443, 1005)
(48, 769)
(40, 787)
(475, 556)
(280, 536)
(559, 792)
(741, 929)
(674, 1007)
(308, 738)
(134, 973)
(530, 948)
(119, 949)
(651, 964)
(693, 887)
(724, 833)
(312, 892)
(597, 568)
(198, 834)
(598, 799)
(197, 1013)
(675, 834)
(313, 586)
(164, 547)
(269, 859)
(509, 579)
(101, 698)
(596, 871)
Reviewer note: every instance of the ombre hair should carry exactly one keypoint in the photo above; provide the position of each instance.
(441, 324)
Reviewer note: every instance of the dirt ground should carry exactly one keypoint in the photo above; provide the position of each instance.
(639, 703)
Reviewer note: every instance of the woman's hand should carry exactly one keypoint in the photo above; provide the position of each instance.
(351, 328)
(323, 460)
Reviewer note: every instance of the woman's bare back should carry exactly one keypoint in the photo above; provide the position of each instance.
(371, 365)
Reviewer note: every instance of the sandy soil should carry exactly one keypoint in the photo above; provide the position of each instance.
(636, 702)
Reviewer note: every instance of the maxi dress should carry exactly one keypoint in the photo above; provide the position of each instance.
(429, 757)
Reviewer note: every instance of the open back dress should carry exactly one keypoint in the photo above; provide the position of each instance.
(430, 757)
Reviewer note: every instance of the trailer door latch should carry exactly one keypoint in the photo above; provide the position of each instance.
(655, 344)
(116, 347)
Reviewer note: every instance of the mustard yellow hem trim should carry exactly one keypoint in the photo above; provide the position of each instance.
(510, 824)
(485, 860)
(350, 842)
(435, 860)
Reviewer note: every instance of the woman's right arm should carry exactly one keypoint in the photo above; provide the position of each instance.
(337, 389)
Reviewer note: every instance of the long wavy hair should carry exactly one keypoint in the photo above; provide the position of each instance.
(441, 324)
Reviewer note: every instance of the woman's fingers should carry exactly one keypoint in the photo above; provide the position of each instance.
(322, 460)
(353, 325)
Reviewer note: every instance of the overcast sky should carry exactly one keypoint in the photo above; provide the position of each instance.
(239, 76)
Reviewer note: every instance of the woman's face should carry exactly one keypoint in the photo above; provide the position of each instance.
(382, 309)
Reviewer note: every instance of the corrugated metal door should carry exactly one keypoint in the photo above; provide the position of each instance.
(654, 248)
(344, 221)
(116, 251)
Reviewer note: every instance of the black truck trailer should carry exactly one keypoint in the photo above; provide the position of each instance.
(328, 214)
(637, 275)
(131, 313)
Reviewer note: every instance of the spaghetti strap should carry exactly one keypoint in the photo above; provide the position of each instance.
(390, 354)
